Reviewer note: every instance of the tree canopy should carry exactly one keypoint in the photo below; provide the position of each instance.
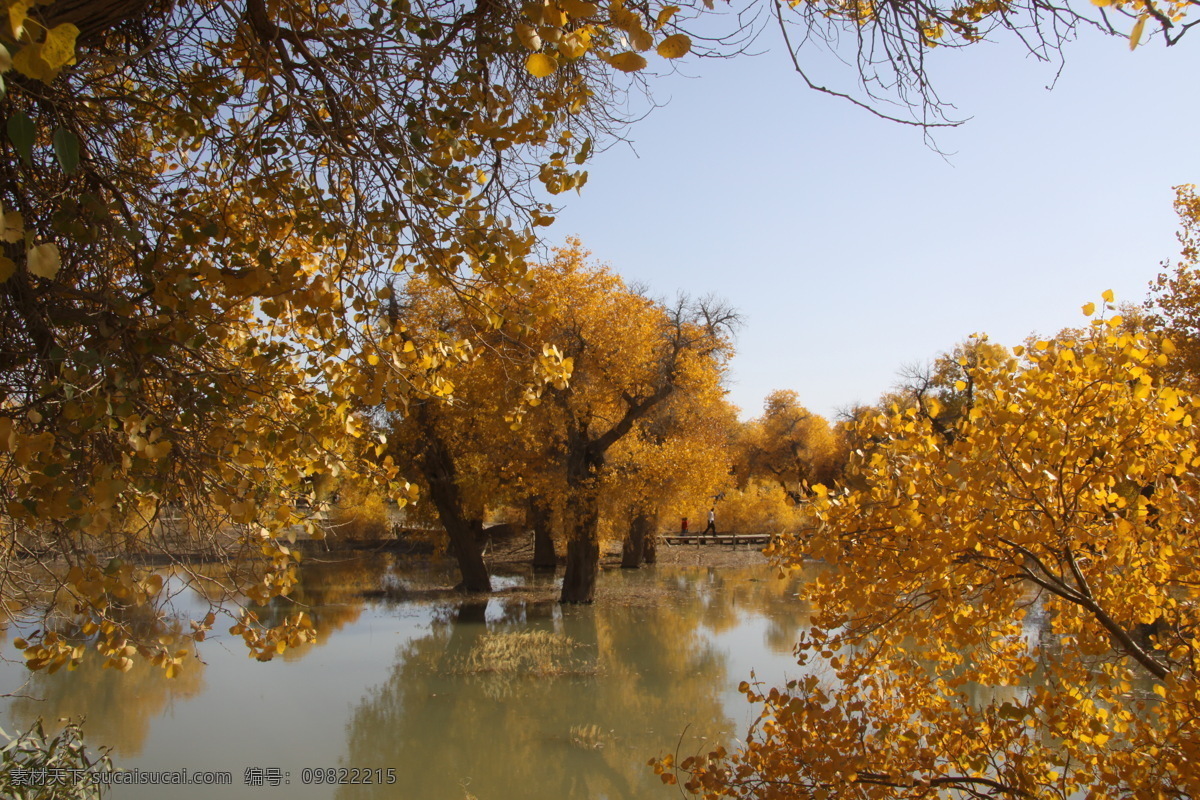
(1010, 610)
(206, 205)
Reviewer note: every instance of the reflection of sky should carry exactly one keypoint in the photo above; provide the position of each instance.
(295, 713)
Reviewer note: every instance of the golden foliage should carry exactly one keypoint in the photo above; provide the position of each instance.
(790, 445)
(361, 511)
(760, 507)
(1013, 609)
(198, 239)
(1174, 302)
(642, 420)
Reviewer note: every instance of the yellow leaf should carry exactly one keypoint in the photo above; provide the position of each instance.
(59, 48)
(29, 61)
(1108, 295)
(1089, 309)
(529, 37)
(627, 62)
(664, 16)
(17, 14)
(1135, 36)
(5, 60)
(154, 584)
(675, 46)
(43, 260)
(541, 65)
(14, 227)
(578, 9)
(574, 44)
(641, 39)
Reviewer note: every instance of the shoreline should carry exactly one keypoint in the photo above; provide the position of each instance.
(505, 560)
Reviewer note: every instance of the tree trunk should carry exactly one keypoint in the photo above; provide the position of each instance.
(584, 462)
(438, 466)
(633, 551)
(650, 547)
(466, 549)
(544, 557)
(583, 563)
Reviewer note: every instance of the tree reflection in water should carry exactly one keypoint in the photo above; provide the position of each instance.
(512, 697)
(641, 675)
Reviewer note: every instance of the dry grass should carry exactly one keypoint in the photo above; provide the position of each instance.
(534, 653)
(589, 737)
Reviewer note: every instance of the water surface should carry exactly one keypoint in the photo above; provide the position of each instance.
(450, 696)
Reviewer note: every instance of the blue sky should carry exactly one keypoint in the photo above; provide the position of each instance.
(852, 248)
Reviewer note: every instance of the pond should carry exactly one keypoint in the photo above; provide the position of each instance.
(513, 697)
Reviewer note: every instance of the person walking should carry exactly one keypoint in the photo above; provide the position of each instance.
(712, 522)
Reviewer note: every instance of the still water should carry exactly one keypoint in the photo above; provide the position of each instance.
(494, 700)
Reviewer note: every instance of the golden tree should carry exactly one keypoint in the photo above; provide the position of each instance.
(518, 432)
(790, 445)
(674, 464)
(630, 356)
(1011, 613)
(1175, 296)
(202, 205)
(467, 452)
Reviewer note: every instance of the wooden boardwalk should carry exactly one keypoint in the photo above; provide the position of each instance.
(731, 539)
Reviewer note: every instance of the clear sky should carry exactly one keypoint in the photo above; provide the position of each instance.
(852, 248)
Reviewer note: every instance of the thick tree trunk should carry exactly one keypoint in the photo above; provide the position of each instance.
(633, 551)
(465, 546)
(438, 466)
(94, 18)
(583, 564)
(544, 557)
(584, 461)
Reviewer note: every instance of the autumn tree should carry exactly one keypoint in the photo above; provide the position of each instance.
(675, 462)
(790, 445)
(1174, 301)
(516, 432)
(467, 452)
(202, 206)
(635, 355)
(203, 202)
(1011, 613)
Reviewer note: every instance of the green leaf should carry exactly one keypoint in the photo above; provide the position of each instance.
(66, 149)
(21, 132)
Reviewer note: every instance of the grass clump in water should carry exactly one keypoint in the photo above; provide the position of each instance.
(537, 653)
